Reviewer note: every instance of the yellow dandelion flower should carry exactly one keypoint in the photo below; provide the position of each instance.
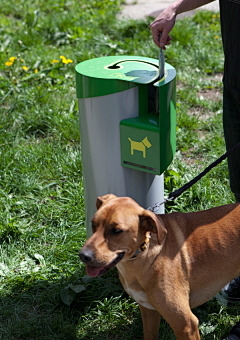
(8, 63)
(214, 16)
(64, 60)
(36, 70)
(12, 59)
(22, 60)
(55, 61)
(25, 68)
(216, 37)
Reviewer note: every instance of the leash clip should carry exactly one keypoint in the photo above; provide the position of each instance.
(156, 207)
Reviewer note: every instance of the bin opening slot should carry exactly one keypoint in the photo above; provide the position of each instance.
(153, 99)
(140, 166)
(119, 62)
(114, 67)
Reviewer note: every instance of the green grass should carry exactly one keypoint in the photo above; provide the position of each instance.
(44, 293)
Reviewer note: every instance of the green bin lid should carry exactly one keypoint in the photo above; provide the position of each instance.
(108, 75)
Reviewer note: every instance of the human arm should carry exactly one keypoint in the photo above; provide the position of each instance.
(166, 20)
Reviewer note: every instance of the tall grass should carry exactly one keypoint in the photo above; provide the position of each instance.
(44, 293)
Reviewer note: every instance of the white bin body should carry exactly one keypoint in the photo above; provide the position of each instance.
(101, 154)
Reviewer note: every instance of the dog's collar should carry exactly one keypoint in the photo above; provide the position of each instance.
(142, 247)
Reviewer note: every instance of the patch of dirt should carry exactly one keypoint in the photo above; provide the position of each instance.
(216, 77)
(201, 113)
(214, 94)
(189, 158)
(180, 84)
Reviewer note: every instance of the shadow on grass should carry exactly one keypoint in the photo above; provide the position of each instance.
(97, 309)
(35, 309)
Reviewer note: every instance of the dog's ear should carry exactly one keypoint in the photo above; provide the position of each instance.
(102, 199)
(150, 222)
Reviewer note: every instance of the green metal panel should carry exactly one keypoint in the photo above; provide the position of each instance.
(155, 153)
(108, 75)
(167, 123)
(147, 122)
(139, 148)
(148, 142)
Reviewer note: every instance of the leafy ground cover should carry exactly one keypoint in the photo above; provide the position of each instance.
(44, 292)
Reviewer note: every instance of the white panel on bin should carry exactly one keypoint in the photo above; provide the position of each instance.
(101, 154)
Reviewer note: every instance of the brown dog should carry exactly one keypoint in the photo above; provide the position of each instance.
(167, 263)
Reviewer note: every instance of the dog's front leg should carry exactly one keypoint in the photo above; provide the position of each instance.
(151, 322)
(183, 322)
(188, 330)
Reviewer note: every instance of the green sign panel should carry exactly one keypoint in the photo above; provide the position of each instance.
(148, 142)
(139, 149)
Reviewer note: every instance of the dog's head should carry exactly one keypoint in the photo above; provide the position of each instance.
(119, 228)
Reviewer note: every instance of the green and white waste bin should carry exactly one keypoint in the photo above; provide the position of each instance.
(127, 128)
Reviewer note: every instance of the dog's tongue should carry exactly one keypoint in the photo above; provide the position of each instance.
(93, 271)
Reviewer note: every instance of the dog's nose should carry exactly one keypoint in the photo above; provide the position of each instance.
(86, 255)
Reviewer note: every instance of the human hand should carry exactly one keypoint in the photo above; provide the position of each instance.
(163, 23)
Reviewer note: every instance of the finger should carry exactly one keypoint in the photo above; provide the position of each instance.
(164, 38)
(155, 34)
(168, 40)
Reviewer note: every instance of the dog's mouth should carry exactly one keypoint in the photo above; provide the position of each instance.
(97, 271)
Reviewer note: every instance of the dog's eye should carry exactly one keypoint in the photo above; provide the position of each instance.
(93, 228)
(116, 231)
